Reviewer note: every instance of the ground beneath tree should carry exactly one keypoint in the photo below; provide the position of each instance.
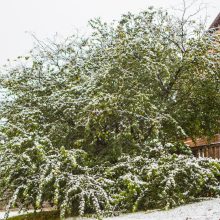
(204, 210)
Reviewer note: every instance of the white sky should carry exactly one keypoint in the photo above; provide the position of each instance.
(47, 17)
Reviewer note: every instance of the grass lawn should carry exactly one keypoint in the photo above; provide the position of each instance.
(49, 215)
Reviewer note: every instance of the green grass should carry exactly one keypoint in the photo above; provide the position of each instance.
(49, 215)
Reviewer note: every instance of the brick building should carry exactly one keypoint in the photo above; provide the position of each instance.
(203, 147)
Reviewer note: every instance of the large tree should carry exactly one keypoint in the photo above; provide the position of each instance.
(148, 80)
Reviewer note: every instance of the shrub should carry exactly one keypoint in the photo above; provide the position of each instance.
(56, 176)
(165, 182)
(62, 178)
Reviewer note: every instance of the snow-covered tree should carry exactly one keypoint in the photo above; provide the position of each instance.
(130, 87)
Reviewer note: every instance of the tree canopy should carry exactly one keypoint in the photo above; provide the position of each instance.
(137, 86)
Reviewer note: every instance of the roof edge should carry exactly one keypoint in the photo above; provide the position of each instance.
(216, 22)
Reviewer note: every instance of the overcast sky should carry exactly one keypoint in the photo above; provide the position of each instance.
(47, 17)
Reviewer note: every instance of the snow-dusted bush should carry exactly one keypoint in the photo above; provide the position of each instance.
(62, 178)
(164, 182)
(40, 175)
(130, 88)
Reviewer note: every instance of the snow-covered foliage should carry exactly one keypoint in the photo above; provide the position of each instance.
(164, 182)
(62, 178)
(96, 124)
(56, 176)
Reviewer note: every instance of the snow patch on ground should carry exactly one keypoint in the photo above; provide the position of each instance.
(205, 210)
